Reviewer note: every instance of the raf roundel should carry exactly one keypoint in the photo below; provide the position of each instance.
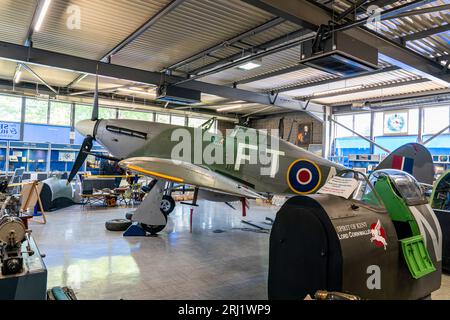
(303, 176)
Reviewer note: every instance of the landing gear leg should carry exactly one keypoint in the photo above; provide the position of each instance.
(149, 214)
(194, 204)
(244, 207)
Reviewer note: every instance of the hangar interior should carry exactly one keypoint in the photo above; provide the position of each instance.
(343, 84)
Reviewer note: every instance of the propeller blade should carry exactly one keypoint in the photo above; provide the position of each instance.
(95, 109)
(101, 156)
(82, 155)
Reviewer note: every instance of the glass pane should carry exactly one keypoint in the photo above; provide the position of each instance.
(196, 122)
(36, 111)
(213, 128)
(395, 123)
(378, 123)
(177, 120)
(435, 119)
(413, 121)
(10, 108)
(135, 115)
(346, 121)
(60, 113)
(362, 124)
(162, 118)
(107, 113)
(82, 112)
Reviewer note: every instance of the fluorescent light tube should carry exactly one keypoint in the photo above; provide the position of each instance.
(42, 14)
(249, 66)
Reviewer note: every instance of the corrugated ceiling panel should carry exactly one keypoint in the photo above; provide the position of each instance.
(380, 78)
(7, 69)
(272, 33)
(104, 24)
(194, 26)
(88, 83)
(255, 40)
(54, 77)
(431, 46)
(301, 76)
(380, 93)
(15, 19)
(269, 63)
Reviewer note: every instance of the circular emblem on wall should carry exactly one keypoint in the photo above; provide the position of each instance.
(396, 123)
(303, 176)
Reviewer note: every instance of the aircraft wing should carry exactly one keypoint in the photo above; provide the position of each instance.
(187, 173)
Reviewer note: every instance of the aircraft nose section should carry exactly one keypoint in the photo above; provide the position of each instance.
(86, 127)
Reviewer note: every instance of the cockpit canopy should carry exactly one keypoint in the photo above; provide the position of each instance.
(404, 184)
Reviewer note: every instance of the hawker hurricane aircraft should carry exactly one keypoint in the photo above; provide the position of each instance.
(243, 164)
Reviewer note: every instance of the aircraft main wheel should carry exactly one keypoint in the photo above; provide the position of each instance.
(129, 215)
(167, 204)
(117, 224)
(153, 229)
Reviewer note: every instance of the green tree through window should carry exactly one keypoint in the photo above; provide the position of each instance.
(10, 108)
(36, 111)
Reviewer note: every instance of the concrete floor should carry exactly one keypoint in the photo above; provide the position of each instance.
(99, 264)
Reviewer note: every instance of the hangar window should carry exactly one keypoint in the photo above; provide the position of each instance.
(36, 111)
(362, 124)
(82, 112)
(60, 113)
(177, 120)
(195, 122)
(435, 119)
(107, 113)
(162, 118)
(10, 108)
(346, 121)
(378, 124)
(135, 115)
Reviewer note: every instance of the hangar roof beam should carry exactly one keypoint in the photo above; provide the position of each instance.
(426, 33)
(147, 25)
(27, 55)
(311, 15)
(237, 39)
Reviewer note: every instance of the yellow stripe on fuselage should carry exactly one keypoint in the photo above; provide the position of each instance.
(155, 174)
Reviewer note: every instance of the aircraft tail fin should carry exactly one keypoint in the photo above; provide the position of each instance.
(413, 158)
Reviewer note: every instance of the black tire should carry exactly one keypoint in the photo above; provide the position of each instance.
(129, 215)
(167, 204)
(153, 230)
(117, 224)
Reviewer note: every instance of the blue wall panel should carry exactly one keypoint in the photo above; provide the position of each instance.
(45, 133)
(392, 143)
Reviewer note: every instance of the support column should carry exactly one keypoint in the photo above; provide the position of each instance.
(420, 130)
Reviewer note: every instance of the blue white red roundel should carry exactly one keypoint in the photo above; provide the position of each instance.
(303, 176)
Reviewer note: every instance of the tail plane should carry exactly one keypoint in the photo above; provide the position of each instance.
(413, 158)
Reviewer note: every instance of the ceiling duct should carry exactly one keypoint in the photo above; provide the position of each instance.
(341, 55)
(178, 95)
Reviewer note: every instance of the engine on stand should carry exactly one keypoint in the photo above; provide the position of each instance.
(12, 234)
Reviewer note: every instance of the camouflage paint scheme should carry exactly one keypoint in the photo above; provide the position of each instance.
(149, 154)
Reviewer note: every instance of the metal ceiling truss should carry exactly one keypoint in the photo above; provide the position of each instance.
(378, 86)
(275, 73)
(327, 81)
(313, 15)
(230, 42)
(36, 56)
(27, 88)
(138, 32)
(419, 12)
(258, 49)
(425, 33)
